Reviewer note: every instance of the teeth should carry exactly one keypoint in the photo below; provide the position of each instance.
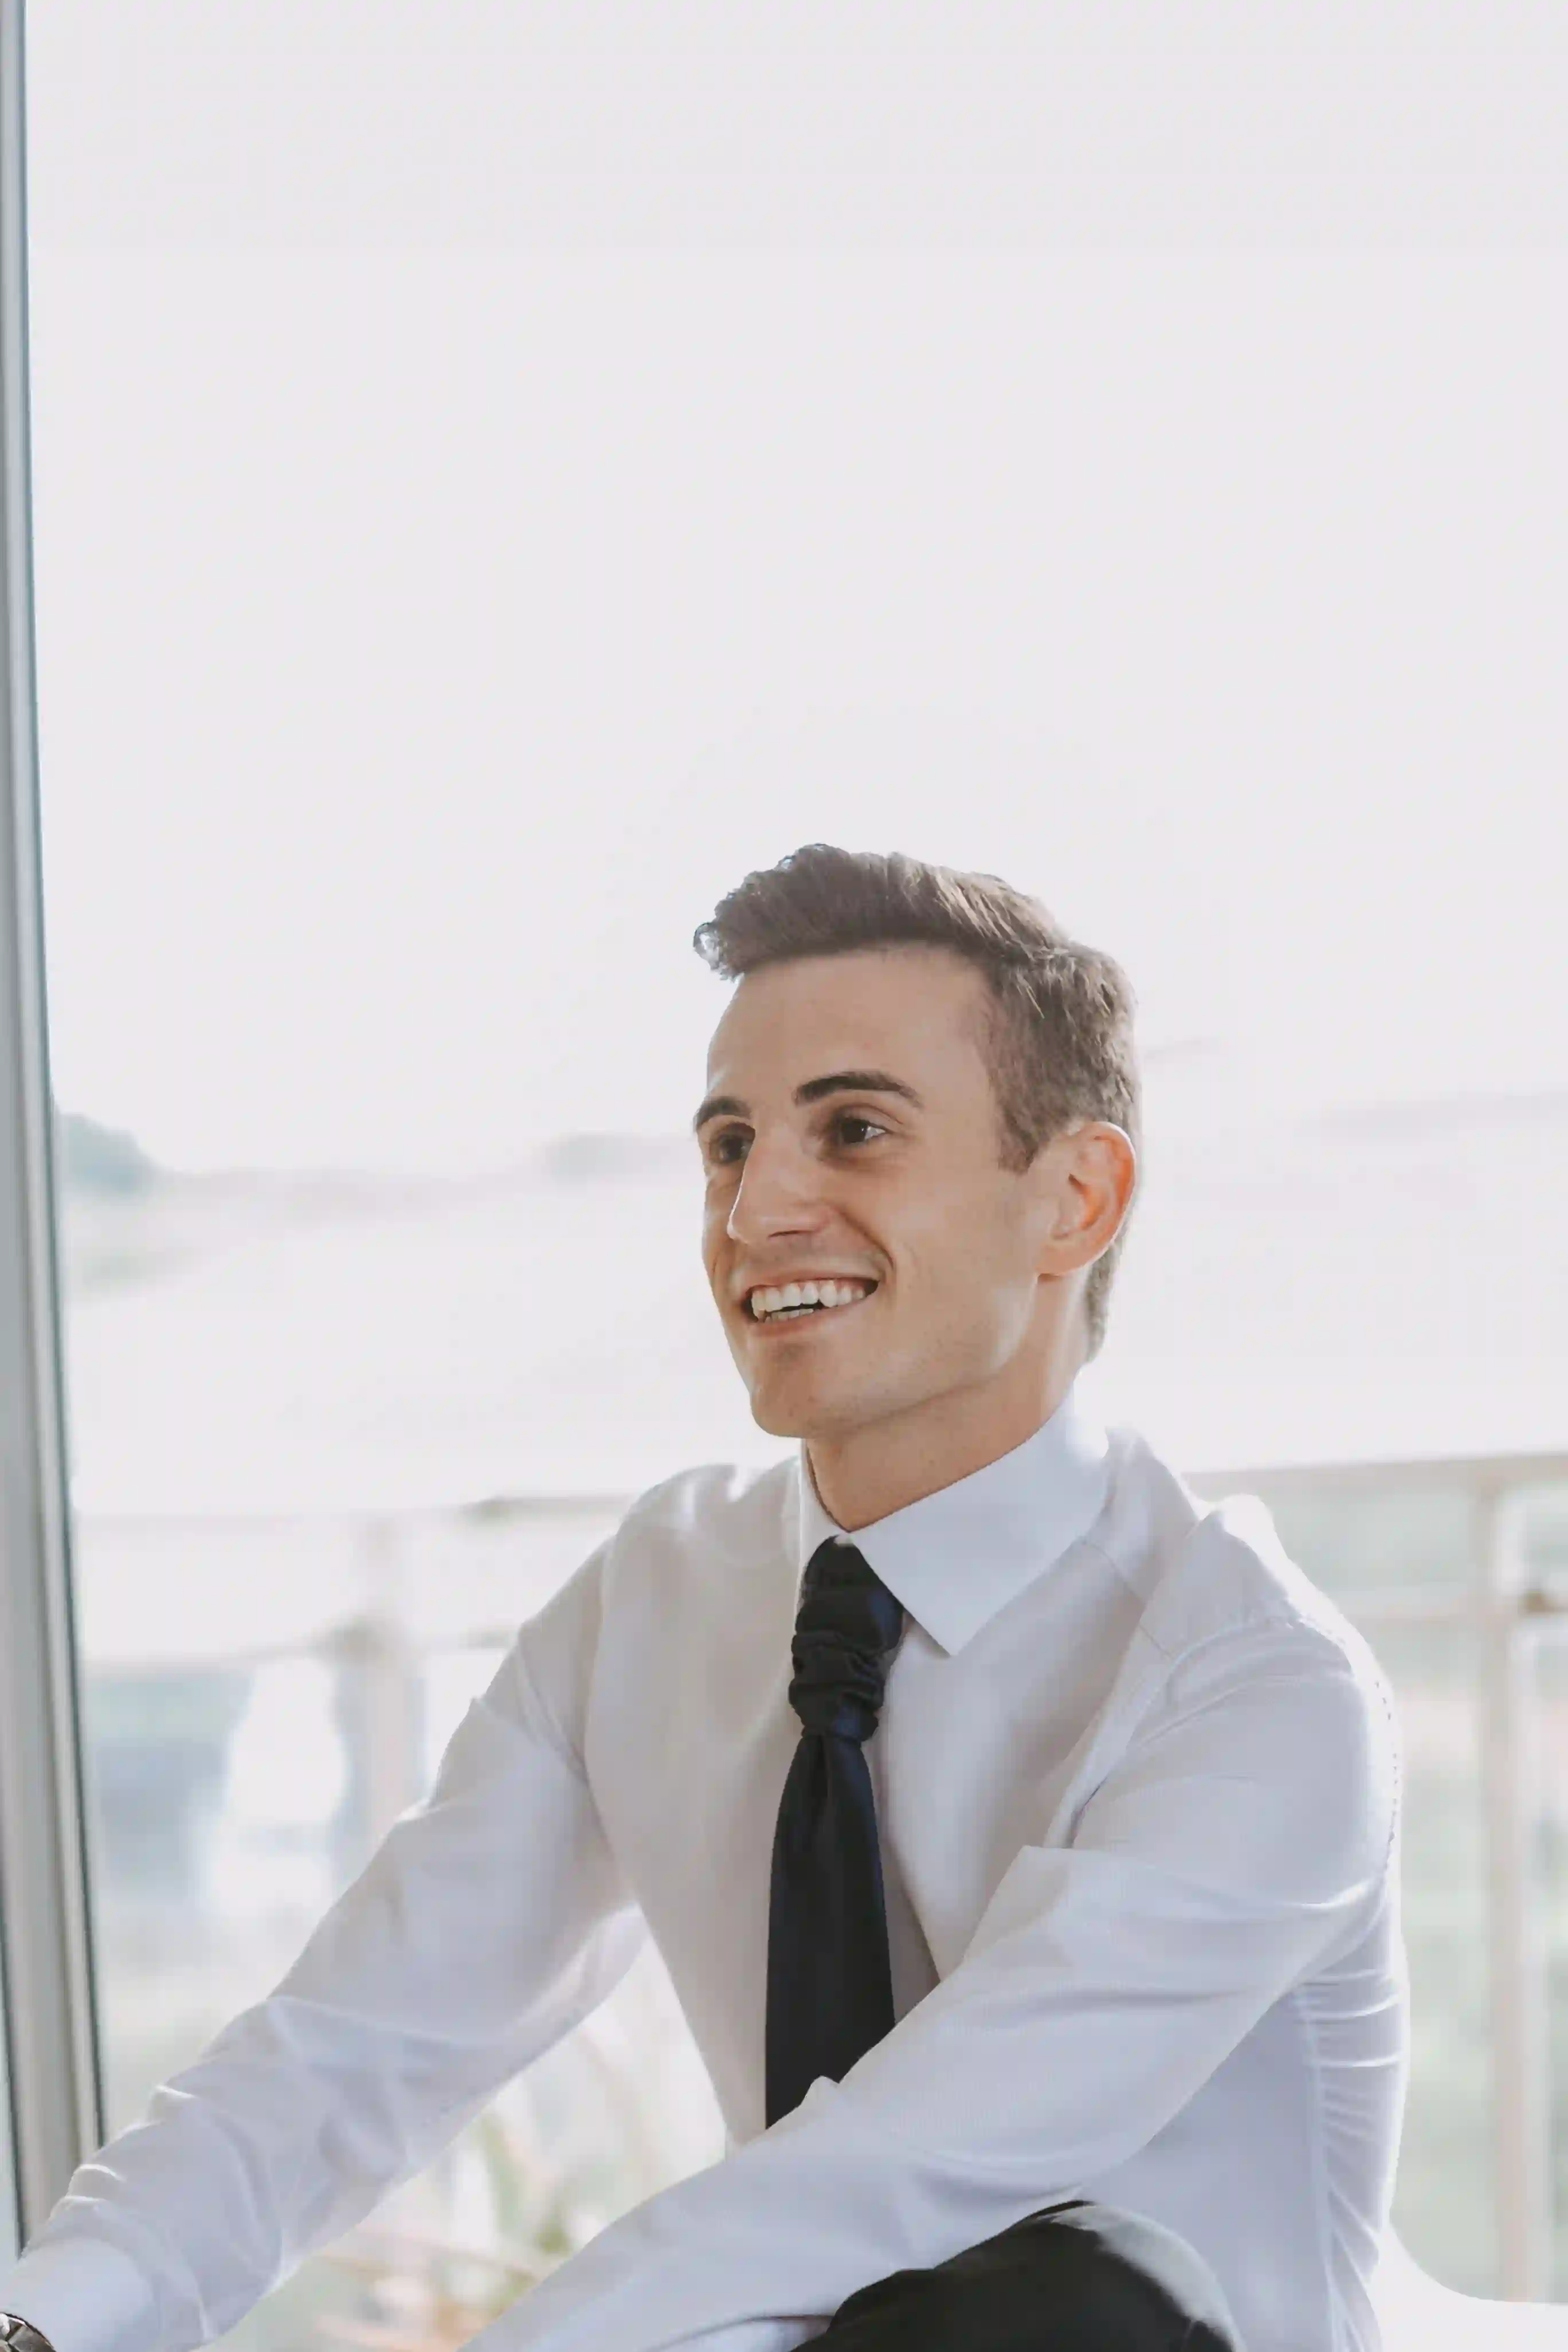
(795, 1297)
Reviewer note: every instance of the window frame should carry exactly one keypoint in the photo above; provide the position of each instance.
(51, 2109)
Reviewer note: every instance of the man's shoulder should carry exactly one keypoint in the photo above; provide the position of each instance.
(700, 1546)
(714, 1506)
(1211, 1569)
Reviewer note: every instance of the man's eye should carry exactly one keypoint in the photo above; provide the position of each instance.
(850, 1127)
(725, 1150)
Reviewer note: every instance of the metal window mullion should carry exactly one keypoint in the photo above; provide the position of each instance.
(1521, 2110)
(44, 1942)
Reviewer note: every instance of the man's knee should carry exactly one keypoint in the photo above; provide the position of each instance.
(1073, 2278)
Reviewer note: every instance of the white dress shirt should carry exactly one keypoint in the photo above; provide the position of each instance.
(1138, 1787)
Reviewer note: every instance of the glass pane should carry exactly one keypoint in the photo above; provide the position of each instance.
(1552, 1687)
(428, 635)
(1543, 1532)
(217, 1767)
(1443, 2206)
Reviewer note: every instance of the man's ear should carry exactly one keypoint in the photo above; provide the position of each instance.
(1089, 1175)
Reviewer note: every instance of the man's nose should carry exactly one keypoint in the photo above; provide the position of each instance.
(779, 1192)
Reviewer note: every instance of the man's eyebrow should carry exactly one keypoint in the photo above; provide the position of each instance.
(718, 1107)
(835, 1082)
(856, 1082)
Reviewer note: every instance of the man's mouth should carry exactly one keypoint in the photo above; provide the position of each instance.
(792, 1302)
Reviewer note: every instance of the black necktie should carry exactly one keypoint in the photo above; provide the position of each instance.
(830, 1993)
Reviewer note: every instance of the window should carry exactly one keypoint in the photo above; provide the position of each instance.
(431, 625)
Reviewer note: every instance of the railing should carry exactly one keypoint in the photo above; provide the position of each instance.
(1505, 1601)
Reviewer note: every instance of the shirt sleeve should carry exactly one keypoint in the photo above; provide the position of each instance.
(490, 1920)
(1244, 1835)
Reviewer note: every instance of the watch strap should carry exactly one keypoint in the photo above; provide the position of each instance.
(21, 2335)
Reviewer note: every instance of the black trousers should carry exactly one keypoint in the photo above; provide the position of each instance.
(1076, 2277)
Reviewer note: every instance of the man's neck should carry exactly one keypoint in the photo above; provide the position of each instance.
(866, 1473)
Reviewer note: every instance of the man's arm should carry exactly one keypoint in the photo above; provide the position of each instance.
(490, 1920)
(1243, 1837)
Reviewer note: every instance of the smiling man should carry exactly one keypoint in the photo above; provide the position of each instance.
(954, 1251)
(1021, 1835)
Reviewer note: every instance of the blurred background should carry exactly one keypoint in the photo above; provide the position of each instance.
(504, 472)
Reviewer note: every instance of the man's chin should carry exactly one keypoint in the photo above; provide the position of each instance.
(810, 1416)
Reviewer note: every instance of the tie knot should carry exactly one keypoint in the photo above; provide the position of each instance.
(846, 1631)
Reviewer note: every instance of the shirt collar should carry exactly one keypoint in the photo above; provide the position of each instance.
(955, 1557)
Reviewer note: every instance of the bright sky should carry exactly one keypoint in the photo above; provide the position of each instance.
(450, 580)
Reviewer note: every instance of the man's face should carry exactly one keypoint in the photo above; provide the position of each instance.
(851, 1135)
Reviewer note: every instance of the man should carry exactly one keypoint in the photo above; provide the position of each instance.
(1020, 1835)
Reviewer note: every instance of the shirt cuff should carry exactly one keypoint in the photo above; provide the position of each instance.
(85, 2295)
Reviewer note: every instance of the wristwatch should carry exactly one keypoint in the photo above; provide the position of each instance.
(21, 2335)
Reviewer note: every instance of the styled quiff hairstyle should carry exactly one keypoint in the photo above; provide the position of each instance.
(1059, 1044)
